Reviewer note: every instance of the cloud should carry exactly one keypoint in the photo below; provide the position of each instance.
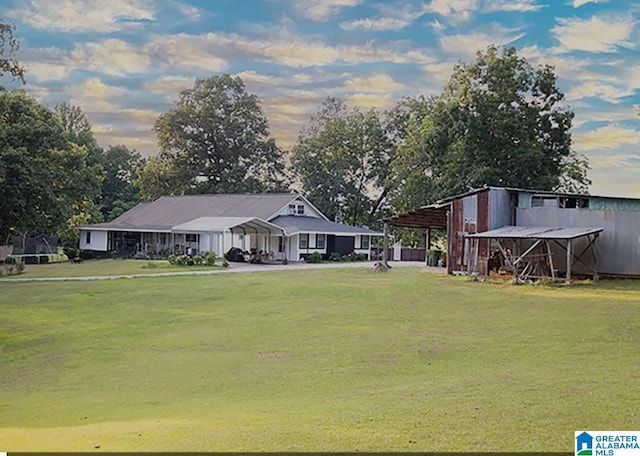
(321, 11)
(85, 15)
(521, 6)
(384, 23)
(181, 50)
(466, 45)
(597, 34)
(170, 85)
(380, 83)
(579, 3)
(370, 100)
(598, 89)
(111, 56)
(438, 75)
(94, 95)
(394, 17)
(609, 137)
(456, 10)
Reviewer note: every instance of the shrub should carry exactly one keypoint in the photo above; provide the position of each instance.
(86, 254)
(315, 257)
(210, 258)
(172, 259)
(197, 260)
(181, 260)
(225, 263)
(335, 256)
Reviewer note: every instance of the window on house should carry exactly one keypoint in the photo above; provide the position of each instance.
(88, 238)
(281, 244)
(364, 242)
(320, 241)
(191, 237)
(292, 209)
(300, 209)
(304, 241)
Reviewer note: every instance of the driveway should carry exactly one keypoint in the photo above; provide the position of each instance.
(233, 268)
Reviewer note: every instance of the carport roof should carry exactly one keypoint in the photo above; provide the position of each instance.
(219, 224)
(433, 216)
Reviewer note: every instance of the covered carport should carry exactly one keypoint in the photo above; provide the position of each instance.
(429, 217)
(527, 251)
(234, 225)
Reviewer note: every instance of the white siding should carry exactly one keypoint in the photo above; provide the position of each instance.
(309, 211)
(98, 241)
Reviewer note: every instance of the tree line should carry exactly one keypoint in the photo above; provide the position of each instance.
(499, 121)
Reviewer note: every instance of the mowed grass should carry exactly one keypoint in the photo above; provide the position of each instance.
(315, 360)
(106, 267)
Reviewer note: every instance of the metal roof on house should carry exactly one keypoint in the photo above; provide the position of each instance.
(246, 225)
(169, 211)
(536, 232)
(293, 224)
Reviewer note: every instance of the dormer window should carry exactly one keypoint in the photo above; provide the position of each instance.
(296, 209)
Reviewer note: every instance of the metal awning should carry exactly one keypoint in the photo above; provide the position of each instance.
(253, 225)
(535, 232)
(530, 253)
(433, 216)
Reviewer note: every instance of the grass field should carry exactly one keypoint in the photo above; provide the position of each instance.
(316, 360)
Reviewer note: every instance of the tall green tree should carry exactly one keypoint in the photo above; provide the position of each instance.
(9, 45)
(44, 179)
(119, 194)
(218, 140)
(77, 130)
(498, 122)
(342, 160)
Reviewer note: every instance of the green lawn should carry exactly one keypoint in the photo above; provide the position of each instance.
(315, 360)
(105, 267)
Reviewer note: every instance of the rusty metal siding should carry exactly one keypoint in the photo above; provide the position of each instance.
(618, 245)
(457, 232)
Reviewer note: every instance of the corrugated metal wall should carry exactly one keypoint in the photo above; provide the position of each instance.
(618, 245)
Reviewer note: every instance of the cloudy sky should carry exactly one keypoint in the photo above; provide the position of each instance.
(124, 62)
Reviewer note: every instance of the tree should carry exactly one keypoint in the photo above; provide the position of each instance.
(9, 45)
(44, 180)
(119, 194)
(217, 139)
(77, 130)
(497, 123)
(341, 160)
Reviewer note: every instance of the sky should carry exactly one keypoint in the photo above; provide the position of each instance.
(124, 62)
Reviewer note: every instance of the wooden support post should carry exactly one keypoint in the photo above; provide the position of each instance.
(569, 261)
(549, 253)
(385, 245)
(427, 244)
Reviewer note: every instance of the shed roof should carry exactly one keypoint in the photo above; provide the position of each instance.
(536, 232)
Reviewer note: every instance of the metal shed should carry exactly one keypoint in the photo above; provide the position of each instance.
(528, 253)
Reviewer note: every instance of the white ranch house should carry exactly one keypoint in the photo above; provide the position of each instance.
(284, 225)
